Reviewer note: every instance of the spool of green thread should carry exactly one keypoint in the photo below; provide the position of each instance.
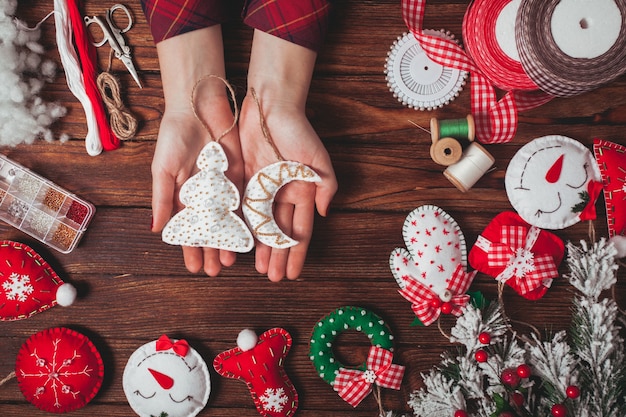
(461, 129)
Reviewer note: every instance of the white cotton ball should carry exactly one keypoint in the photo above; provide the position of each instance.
(66, 294)
(247, 339)
(620, 244)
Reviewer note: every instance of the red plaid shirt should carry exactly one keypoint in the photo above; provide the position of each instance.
(303, 22)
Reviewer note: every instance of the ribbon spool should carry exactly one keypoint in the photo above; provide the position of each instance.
(474, 163)
(489, 38)
(569, 47)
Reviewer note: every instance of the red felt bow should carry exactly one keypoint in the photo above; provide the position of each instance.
(514, 254)
(589, 212)
(427, 305)
(180, 347)
(354, 385)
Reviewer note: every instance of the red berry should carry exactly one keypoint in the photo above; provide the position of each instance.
(506, 414)
(484, 338)
(481, 355)
(559, 410)
(572, 391)
(460, 413)
(523, 371)
(435, 303)
(446, 308)
(510, 377)
(518, 399)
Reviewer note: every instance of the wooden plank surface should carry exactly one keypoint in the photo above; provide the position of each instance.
(133, 287)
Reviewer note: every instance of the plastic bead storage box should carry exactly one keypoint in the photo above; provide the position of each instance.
(40, 208)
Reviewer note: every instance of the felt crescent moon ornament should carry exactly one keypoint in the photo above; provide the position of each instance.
(210, 199)
(166, 377)
(28, 285)
(259, 361)
(258, 201)
(553, 182)
(59, 370)
(611, 159)
(432, 270)
(525, 257)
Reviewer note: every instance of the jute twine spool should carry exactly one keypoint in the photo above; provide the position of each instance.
(123, 123)
(474, 163)
(560, 73)
(489, 38)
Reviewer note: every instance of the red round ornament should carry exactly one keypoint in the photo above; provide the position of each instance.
(518, 399)
(559, 410)
(524, 371)
(446, 308)
(460, 413)
(506, 414)
(510, 377)
(481, 355)
(484, 338)
(59, 370)
(572, 391)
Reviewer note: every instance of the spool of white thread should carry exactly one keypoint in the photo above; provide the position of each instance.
(474, 163)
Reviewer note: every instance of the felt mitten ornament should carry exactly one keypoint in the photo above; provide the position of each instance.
(28, 285)
(59, 370)
(259, 362)
(432, 270)
(611, 159)
(524, 257)
(166, 377)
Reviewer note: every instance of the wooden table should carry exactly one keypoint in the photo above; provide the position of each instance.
(133, 287)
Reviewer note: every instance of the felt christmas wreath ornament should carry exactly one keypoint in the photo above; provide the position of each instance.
(524, 257)
(259, 361)
(59, 370)
(354, 384)
(611, 159)
(432, 270)
(28, 285)
(166, 377)
(553, 182)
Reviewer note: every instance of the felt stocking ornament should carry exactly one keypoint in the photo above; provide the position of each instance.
(611, 159)
(28, 285)
(259, 362)
(431, 271)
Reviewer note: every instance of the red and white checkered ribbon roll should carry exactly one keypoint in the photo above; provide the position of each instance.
(496, 120)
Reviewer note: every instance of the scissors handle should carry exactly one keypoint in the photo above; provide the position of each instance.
(110, 31)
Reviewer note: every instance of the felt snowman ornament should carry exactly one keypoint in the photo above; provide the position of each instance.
(553, 182)
(259, 361)
(524, 257)
(59, 370)
(166, 377)
(432, 270)
(28, 285)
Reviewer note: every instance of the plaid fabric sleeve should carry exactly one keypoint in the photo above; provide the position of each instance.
(168, 18)
(303, 22)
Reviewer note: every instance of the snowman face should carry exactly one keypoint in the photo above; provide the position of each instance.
(547, 181)
(164, 383)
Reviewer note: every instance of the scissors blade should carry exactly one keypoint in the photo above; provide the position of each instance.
(127, 60)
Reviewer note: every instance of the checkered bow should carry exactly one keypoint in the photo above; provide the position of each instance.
(514, 253)
(496, 120)
(427, 305)
(354, 385)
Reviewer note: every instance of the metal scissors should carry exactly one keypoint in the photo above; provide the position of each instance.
(113, 35)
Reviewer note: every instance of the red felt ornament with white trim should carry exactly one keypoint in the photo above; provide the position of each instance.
(432, 270)
(611, 159)
(59, 370)
(524, 257)
(28, 284)
(259, 361)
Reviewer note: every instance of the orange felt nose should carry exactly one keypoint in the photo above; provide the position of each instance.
(164, 381)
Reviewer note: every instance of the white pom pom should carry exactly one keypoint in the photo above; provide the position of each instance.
(620, 244)
(247, 339)
(66, 294)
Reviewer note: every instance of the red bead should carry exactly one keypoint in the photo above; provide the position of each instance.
(484, 338)
(510, 377)
(572, 391)
(518, 399)
(446, 308)
(559, 410)
(435, 303)
(460, 413)
(523, 371)
(481, 355)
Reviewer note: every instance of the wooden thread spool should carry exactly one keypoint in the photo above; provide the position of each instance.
(474, 163)
(461, 129)
(446, 151)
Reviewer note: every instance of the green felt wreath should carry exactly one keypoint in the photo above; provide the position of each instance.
(342, 319)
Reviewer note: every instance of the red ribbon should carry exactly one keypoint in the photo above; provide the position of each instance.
(354, 385)
(180, 347)
(427, 305)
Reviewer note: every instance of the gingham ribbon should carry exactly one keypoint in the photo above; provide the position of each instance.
(514, 254)
(354, 385)
(427, 305)
(496, 120)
